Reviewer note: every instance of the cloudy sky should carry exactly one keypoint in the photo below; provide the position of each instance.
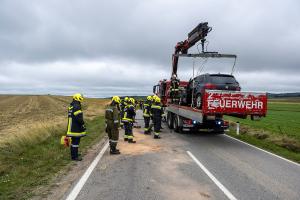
(118, 47)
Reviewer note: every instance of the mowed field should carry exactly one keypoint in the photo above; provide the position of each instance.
(279, 129)
(20, 114)
(30, 132)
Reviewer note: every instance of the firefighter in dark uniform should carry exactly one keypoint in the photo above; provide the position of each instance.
(128, 120)
(112, 119)
(174, 93)
(156, 112)
(76, 127)
(146, 115)
(123, 105)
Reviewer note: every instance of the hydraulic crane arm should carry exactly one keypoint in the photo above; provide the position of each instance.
(197, 34)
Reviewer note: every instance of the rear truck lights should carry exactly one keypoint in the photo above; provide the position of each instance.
(188, 121)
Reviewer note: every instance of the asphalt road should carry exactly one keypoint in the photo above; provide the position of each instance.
(162, 169)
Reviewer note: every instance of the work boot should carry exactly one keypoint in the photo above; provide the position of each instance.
(114, 152)
(77, 159)
(157, 137)
(131, 141)
(147, 133)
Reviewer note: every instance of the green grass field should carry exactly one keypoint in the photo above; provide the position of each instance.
(24, 165)
(278, 132)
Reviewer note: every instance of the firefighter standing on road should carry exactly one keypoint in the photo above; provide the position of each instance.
(129, 114)
(156, 112)
(146, 115)
(123, 104)
(76, 127)
(112, 119)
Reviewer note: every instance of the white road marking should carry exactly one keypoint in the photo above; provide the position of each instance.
(264, 150)
(218, 183)
(74, 193)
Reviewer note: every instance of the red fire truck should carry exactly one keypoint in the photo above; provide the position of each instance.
(216, 103)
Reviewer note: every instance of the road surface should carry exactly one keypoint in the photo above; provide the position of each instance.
(190, 166)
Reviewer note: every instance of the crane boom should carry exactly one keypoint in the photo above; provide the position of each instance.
(197, 34)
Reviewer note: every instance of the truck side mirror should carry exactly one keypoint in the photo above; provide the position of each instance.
(154, 89)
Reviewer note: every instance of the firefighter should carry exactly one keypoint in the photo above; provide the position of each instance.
(76, 127)
(146, 115)
(128, 120)
(151, 117)
(112, 120)
(156, 112)
(122, 108)
(174, 93)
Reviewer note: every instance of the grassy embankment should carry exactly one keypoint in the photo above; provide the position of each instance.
(31, 160)
(279, 132)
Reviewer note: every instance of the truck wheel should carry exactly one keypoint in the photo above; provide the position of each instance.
(176, 126)
(199, 101)
(170, 120)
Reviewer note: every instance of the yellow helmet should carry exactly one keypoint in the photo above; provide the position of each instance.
(149, 98)
(126, 99)
(131, 100)
(154, 97)
(157, 99)
(116, 99)
(78, 97)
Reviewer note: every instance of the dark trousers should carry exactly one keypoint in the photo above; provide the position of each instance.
(128, 130)
(147, 123)
(157, 125)
(74, 147)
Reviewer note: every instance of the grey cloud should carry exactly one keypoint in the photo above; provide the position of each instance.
(37, 36)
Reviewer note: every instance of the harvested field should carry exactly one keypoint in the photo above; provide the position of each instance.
(20, 114)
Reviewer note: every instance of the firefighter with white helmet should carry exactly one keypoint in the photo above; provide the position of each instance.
(76, 126)
(112, 119)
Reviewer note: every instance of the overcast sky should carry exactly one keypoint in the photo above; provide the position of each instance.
(104, 48)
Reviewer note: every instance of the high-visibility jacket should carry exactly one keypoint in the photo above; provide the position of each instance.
(76, 127)
(147, 109)
(129, 113)
(156, 111)
(112, 116)
(123, 105)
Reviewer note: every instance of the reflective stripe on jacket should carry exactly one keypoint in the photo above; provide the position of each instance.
(76, 126)
(156, 111)
(112, 116)
(147, 110)
(129, 113)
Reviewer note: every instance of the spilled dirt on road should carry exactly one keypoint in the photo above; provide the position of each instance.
(145, 144)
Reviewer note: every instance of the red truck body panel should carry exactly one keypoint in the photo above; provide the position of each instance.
(232, 102)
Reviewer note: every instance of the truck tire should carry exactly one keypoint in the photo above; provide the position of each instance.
(176, 126)
(170, 120)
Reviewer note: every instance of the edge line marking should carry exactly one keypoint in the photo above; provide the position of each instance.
(218, 183)
(268, 152)
(75, 191)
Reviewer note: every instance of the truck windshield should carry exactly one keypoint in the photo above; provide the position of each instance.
(222, 79)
